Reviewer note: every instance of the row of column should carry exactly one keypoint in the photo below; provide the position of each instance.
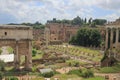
(111, 38)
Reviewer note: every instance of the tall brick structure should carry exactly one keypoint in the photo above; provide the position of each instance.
(61, 32)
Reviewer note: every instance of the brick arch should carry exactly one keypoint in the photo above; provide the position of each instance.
(21, 47)
(11, 43)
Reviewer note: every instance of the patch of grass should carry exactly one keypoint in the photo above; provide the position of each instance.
(77, 72)
(9, 68)
(94, 78)
(94, 55)
(38, 78)
(113, 69)
(85, 73)
(38, 54)
(10, 49)
(66, 77)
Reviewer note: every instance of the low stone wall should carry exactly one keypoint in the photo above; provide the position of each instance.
(51, 60)
(55, 42)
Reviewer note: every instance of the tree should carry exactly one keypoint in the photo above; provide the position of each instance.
(66, 21)
(34, 52)
(1, 75)
(77, 21)
(87, 73)
(72, 40)
(54, 19)
(85, 20)
(99, 21)
(87, 37)
(93, 24)
(90, 21)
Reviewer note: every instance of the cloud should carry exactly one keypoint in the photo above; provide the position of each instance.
(111, 17)
(109, 4)
(42, 10)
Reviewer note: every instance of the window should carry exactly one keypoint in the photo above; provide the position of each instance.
(5, 33)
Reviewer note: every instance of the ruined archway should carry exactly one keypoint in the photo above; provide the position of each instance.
(19, 37)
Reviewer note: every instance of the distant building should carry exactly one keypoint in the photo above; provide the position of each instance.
(38, 34)
(61, 32)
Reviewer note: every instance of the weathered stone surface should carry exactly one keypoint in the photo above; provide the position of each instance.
(19, 37)
(61, 32)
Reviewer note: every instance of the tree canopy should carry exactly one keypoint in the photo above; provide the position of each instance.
(87, 37)
(99, 21)
(36, 25)
(80, 21)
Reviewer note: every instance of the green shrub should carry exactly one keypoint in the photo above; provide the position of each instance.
(1, 75)
(2, 65)
(82, 73)
(73, 63)
(34, 68)
(11, 78)
(87, 74)
(34, 52)
(48, 74)
(76, 72)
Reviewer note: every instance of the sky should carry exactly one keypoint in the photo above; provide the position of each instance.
(19, 11)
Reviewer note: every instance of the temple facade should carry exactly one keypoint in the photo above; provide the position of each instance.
(112, 41)
(113, 35)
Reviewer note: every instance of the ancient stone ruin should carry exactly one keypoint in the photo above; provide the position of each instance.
(19, 37)
(112, 43)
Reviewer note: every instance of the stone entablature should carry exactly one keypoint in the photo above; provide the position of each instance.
(112, 36)
(15, 32)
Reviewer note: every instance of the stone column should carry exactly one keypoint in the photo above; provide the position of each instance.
(106, 40)
(111, 39)
(47, 36)
(28, 61)
(16, 57)
(117, 37)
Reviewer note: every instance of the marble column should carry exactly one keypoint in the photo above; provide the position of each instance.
(111, 39)
(117, 37)
(106, 40)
